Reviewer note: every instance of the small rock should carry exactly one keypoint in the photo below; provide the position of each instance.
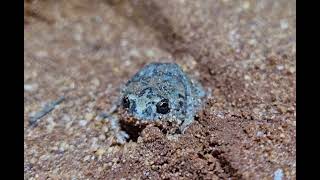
(51, 124)
(30, 87)
(95, 82)
(246, 5)
(33, 160)
(102, 137)
(86, 158)
(278, 174)
(280, 67)
(150, 53)
(98, 118)
(252, 42)
(114, 160)
(259, 133)
(282, 109)
(72, 85)
(100, 152)
(134, 53)
(54, 148)
(105, 129)
(246, 77)
(41, 54)
(284, 24)
(89, 116)
(44, 158)
(66, 118)
(83, 123)
(68, 125)
(63, 146)
(292, 70)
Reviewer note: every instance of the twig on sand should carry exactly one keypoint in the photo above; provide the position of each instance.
(45, 110)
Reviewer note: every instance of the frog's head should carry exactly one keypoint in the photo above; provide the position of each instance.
(149, 104)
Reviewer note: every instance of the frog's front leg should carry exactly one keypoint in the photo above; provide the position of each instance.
(186, 123)
(120, 135)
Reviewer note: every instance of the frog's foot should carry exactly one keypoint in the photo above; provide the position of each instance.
(184, 126)
(119, 135)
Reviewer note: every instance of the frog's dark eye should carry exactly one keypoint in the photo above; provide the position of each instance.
(125, 102)
(163, 106)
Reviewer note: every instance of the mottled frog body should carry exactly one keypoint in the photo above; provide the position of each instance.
(162, 92)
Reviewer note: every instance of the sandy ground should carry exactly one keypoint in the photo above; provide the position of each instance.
(243, 52)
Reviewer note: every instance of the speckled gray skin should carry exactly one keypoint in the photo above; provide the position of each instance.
(161, 91)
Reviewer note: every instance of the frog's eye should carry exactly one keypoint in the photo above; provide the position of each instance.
(125, 102)
(163, 106)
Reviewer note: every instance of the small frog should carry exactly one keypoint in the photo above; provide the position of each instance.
(159, 93)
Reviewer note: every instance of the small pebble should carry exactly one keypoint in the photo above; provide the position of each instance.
(98, 118)
(89, 116)
(259, 133)
(77, 36)
(284, 24)
(134, 53)
(150, 53)
(30, 87)
(252, 42)
(54, 148)
(33, 160)
(63, 146)
(95, 82)
(278, 174)
(246, 5)
(294, 123)
(72, 85)
(66, 118)
(51, 124)
(100, 152)
(280, 67)
(246, 77)
(86, 158)
(102, 137)
(114, 160)
(105, 129)
(282, 109)
(41, 54)
(83, 123)
(44, 157)
(292, 70)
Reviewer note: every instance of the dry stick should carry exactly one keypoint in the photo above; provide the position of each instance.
(47, 108)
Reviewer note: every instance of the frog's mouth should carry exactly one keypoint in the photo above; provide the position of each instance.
(134, 127)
